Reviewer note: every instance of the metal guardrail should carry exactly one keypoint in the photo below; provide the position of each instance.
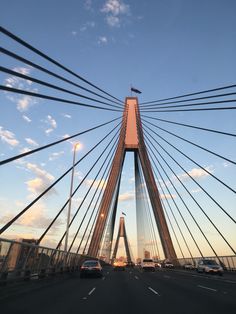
(20, 260)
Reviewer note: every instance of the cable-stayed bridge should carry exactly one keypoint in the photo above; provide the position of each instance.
(183, 210)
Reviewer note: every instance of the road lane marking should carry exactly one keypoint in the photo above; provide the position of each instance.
(108, 273)
(103, 278)
(90, 292)
(136, 277)
(211, 289)
(165, 276)
(154, 291)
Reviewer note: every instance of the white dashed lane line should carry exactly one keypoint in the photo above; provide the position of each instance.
(154, 291)
(90, 292)
(136, 277)
(207, 288)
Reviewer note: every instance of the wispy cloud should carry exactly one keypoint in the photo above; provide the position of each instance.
(27, 119)
(31, 142)
(65, 115)
(35, 218)
(128, 196)
(24, 102)
(51, 122)
(74, 33)
(96, 184)
(167, 196)
(42, 180)
(8, 137)
(114, 10)
(87, 25)
(56, 155)
(102, 40)
(196, 173)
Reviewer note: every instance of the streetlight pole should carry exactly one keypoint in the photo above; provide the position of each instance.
(70, 198)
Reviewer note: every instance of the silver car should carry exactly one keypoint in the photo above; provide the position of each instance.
(209, 266)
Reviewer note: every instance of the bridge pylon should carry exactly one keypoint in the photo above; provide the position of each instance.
(122, 234)
(130, 139)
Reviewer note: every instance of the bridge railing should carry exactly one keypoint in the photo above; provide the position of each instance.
(20, 260)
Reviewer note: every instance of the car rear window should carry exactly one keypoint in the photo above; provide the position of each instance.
(148, 260)
(91, 263)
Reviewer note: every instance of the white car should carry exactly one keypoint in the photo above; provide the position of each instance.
(148, 264)
(209, 266)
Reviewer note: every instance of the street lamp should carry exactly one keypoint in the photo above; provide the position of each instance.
(70, 197)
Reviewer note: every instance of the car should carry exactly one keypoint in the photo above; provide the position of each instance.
(119, 265)
(130, 264)
(157, 264)
(168, 265)
(188, 266)
(147, 264)
(91, 268)
(209, 266)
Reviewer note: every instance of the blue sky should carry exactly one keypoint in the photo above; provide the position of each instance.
(164, 48)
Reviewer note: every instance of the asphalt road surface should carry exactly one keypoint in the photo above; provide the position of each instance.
(123, 292)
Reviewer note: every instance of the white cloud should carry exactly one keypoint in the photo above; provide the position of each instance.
(87, 25)
(8, 137)
(48, 131)
(102, 40)
(74, 33)
(27, 119)
(226, 164)
(114, 9)
(97, 183)
(35, 218)
(196, 191)
(25, 150)
(167, 196)
(196, 173)
(65, 115)
(56, 155)
(31, 142)
(22, 102)
(51, 121)
(128, 196)
(113, 21)
(42, 180)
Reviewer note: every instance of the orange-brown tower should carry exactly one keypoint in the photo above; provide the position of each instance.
(131, 139)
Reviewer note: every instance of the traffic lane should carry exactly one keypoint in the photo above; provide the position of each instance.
(214, 282)
(52, 297)
(122, 293)
(179, 295)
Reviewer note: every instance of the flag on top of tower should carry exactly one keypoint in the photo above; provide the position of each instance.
(135, 90)
(123, 214)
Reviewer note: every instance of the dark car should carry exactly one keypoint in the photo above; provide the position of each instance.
(91, 268)
(210, 267)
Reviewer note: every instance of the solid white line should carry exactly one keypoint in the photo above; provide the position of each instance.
(229, 281)
(90, 292)
(154, 291)
(207, 288)
(136, 277)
